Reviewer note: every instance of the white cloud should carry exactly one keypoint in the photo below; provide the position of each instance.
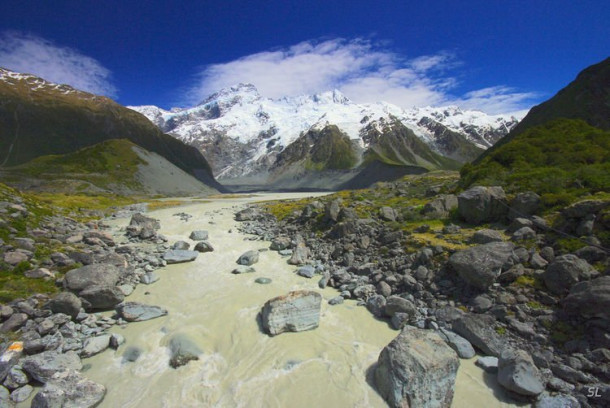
(34, 55)
(363, 70)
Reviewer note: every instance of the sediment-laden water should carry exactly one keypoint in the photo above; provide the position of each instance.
(240, 365)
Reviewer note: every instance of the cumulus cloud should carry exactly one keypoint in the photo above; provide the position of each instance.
(363, 70)
(34, 55)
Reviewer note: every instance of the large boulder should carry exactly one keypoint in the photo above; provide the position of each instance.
(41, 367)
(67, 303)
(91, 275)
(518, 373)
(417, 369)
(182, 350)
(479, 332)
(138, 312)
(297, 311)
(479, 266)
(69, 389)
(95, 345)
(199, 235)
(524, 205)
(440, 207)
(174, 256)
(479, 204)
(101, 297)
(590, 299)
(143, 221)
(565, 271)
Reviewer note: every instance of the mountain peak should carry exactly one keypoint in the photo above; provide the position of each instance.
(334, 96)
(239, 92)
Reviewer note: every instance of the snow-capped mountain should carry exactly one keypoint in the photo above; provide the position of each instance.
(241, 133)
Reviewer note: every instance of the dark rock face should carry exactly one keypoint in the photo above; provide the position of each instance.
(481, 265)
(482, 204)
(297, 311)
(480, 334)
(417, 369)
(565, 271)
(91, 275)
(590, 299)
(518, 373)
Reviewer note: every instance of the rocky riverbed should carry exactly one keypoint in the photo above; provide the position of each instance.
(198, 333)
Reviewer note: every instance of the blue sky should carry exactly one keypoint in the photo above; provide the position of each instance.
(497, 56)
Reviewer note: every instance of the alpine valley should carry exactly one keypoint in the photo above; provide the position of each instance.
(325, 141)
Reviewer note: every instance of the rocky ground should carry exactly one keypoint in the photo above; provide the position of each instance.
(483, 271)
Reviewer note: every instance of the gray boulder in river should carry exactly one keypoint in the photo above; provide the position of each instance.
(297, 311)
(248, 258)
(138, 312)
(182, 350)
(174, 256)
(417, 369)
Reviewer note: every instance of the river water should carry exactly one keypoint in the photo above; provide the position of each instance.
(240, 365)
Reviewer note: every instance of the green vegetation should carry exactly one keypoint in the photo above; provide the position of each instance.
(528, 281)
(560, 160)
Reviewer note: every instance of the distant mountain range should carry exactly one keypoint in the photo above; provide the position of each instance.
(251, 139)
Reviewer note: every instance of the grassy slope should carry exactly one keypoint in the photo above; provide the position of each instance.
(561, 160)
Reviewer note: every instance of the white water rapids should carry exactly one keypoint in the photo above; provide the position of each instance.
(241, 366)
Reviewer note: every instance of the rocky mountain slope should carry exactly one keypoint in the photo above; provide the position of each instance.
(243, 134)
(40, 118)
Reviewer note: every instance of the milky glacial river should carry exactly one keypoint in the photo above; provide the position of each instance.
(241, 366)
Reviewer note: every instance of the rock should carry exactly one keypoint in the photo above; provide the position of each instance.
(148, 279)
(481, 304)
(440, 207)
(9, 358)
(204, 246)
(524, 205)
(306, 271)
(21, 394)
(95, 345)
(300, 255)
(523, 233)
(4, 397)
(479, 204)
(15, 257)
(332, 209)
(175, 256)
(69, 389)
(485, 236)
(39, 273)
(417, 369)
(41, 367)
(565, 271)
(199, 235)
(518, 373)
(91, 275)
(397, 304)
(248, 258)
(537, 261)
(131, 354)
(14, 322)
(387, 213)
(182, 350)
(243, 269)
(480, 266)
(143, 221)
(337, 300)
(262, 281)
(248, 214)
(557, 401)
(101, 297)
(488, 363)
(297, 311)
(181, 245)
(280, 243)
(376, 305)
(138, 312)
(590, 299)
(479, 333)
(462, 347)
(16, 378)
(116, 340)
(591, 254)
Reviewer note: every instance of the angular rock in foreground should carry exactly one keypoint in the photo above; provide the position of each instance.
(479, 266)
(297, 311)
(417, 369)
(175, 256)
(518, 373)
(480, 334)
(69, 389)
(138, 312)
(41, 367)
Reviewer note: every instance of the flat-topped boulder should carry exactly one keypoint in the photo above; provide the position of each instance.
(417, 369)
(138, 312)
(103, 274)
(174, 256)
(479, 266)
(41, 367)
(483, 204)
(479, 331)
(297, 311)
